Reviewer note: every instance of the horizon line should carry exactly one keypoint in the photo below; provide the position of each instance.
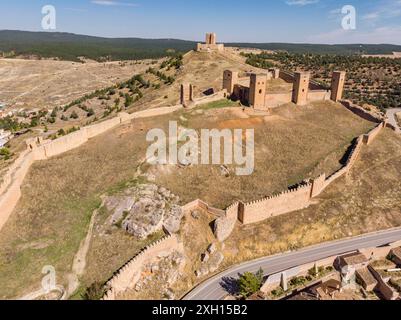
(196, 41)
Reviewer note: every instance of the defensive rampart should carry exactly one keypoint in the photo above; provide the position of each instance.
(10, 187)
(128, 275)
(290, 200)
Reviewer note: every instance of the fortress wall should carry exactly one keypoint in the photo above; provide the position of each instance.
(152, 112)
(7, 177)
(338, 174)
(12, 180)
(359, 111)
(354, 153)
(126, 277)
(9, 199)
(287, 76)
(318, 185)
(288, 201)
(66, 143)
(224, 225)
(276, 99)
(199, 204)
(99, 128)
(368, 138)
(212, 98)
(319, 95)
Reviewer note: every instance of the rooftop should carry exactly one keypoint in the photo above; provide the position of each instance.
(366, 277)
(354, 258)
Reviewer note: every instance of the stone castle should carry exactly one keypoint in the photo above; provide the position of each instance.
(210, 45)
(251, 89)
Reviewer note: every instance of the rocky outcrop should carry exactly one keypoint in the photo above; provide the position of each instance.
(144, 210)
(223, 227)
(211, 261)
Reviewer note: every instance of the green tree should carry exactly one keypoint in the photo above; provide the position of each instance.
(5, 153)
(250, 283)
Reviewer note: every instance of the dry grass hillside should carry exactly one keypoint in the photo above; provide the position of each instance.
(291, 144)
(50, 83)
(59, 195)
(203, 70)
(366, 201)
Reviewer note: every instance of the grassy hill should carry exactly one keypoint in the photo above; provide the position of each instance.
(67, 46)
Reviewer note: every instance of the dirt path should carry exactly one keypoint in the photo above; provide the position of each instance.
(391, 117)
(79, 263)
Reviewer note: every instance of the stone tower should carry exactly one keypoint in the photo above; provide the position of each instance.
(187, 94)
(211, 38)
(275, 73)
(257, 90)
(337, 85)
(301, 88)
(230, 79)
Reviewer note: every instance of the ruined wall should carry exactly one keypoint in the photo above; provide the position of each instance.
(126, 277)
(212, 98)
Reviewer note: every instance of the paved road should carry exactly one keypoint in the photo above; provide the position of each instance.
(391, 116)
(212, 289)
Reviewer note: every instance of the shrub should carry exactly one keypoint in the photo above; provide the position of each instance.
(94, 292)
(74, 115)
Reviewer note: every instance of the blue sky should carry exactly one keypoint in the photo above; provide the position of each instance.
(313, 21)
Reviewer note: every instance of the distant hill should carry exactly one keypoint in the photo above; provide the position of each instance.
(342, 49)
(68, 46)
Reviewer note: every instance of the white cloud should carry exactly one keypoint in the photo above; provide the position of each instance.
(385, 9)
(371, 16)
(301, 3)
(110, 3)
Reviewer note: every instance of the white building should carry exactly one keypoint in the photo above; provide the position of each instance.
(5, 136)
